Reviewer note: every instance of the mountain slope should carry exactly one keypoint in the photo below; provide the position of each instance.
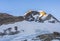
(31, 29)
(27, 29)
(6, 18)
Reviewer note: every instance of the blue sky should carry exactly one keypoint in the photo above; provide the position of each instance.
(19, 7)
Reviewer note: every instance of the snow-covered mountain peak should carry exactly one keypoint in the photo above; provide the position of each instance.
(21, 29)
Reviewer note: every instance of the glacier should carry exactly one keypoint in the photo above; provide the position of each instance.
(31, 29)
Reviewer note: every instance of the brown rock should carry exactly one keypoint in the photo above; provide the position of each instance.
(6, 18)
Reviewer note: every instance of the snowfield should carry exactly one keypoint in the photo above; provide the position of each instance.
(31, 29)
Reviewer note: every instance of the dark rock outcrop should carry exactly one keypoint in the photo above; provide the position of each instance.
(49, 37)
(6, 18)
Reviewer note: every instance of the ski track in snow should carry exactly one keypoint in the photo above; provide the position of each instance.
(31, 29)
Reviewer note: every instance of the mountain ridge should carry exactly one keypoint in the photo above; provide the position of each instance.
(6, 18)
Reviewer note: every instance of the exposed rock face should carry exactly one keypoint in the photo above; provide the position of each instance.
(6, 18)
(49, 37)
(29, 15)
(34, 16)
(5, 15)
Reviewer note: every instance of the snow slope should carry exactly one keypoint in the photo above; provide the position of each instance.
(31, 29)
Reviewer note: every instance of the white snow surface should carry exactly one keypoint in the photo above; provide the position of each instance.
(31, 29)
